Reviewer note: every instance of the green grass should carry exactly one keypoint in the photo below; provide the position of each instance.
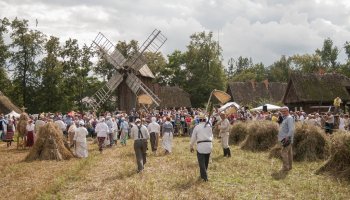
(246, 175)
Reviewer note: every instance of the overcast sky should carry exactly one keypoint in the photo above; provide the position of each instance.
(261, 29)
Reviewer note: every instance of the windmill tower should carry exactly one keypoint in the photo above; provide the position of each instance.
(126, 69)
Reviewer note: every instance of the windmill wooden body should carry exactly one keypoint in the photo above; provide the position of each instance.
(125, 79)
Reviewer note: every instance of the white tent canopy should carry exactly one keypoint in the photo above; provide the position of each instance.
(269, 107)
(13, 113)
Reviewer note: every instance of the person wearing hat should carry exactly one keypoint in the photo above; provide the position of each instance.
(140, 135)
(154, 130)
(102, 133)
(79, 140)
(224, 127)
(285, 136)
(202, 136)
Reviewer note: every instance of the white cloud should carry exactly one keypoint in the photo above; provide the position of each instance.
(261, 29)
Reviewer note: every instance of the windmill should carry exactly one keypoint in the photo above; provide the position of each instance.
(125, 69)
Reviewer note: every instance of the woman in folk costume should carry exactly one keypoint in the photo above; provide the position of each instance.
(10, 132)
(81, 149)
(30, 134)
(168, 131)
(3, 127)
(124, 129)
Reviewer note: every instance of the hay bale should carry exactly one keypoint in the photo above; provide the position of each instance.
(22, 124)
(238, 132)
(310, 143)
(338, 165)
(50, 145)
(262, 135)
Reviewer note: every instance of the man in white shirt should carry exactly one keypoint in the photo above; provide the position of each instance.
(154, 130)
(102, 133)
(224, 127)
(140, 135)
(79, 140)
(202, 136)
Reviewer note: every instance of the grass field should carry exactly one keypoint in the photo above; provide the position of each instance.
(112, 175)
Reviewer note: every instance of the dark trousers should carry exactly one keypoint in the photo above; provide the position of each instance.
(154, 139)
(111, 140)
(203, 161)
(140, 147)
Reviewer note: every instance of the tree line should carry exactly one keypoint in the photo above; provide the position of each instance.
(45, 74)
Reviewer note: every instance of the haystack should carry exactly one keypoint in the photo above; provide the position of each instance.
(49, 145)
(310, 144)
(22, 124)
(238, 132)
(338, 165)
(262, 135)
(6, 105)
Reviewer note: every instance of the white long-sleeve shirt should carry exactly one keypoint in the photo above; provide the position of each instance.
(80, 134)
(134, 133)
(101, 129)
(202, 136)
(153, 127)
(224, 127)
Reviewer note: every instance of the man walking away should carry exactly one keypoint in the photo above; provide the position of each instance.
(202, 136)
(140, 135)
(285, 136)
(154, 130)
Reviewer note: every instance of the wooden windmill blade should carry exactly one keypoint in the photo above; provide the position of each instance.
(136, 85)
(109, 51)
(152, 44)
(105, 91)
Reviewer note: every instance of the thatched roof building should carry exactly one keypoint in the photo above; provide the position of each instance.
(173, 96)
(6, 106)
(252, 93)
(306, 90)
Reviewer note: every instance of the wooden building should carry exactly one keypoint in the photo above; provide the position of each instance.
(254, 94)
(316, 92)
(170, 96)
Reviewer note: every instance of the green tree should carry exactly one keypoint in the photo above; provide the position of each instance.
(156, 62)
(307, 63)
(203, 62)
(347, 49)
(328, 54)
(50, 94)
(27, 45)
(5, 82)
(279, 70)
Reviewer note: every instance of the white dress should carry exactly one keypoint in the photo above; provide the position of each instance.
(81, 149)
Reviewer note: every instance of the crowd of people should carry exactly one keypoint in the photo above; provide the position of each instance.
(110, 127)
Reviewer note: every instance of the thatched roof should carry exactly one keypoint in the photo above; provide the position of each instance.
(248, 93)
(316, 87)
(6, 106)
(173, 96)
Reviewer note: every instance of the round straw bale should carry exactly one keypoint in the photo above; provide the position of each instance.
(262, 135)
(310, 143)
(338, 164)
(238, 132)
(49, 145)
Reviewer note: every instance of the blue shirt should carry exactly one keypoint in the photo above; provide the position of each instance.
(286, 128)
